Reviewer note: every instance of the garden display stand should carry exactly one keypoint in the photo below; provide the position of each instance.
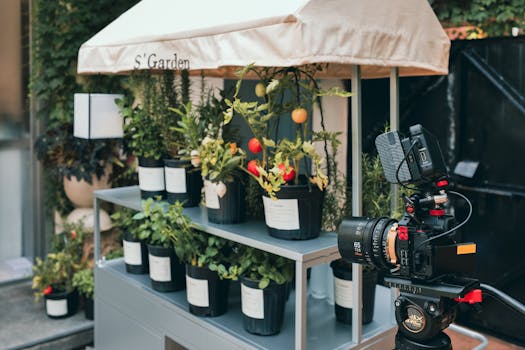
(144, 318)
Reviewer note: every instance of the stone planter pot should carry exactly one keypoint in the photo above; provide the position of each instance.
(80, 193)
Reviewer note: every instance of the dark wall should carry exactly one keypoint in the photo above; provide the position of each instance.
(478, 114)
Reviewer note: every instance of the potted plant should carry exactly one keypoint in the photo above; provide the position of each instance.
(293, 198)
(264, 278)
(84, 282)
(159, 227)
(83, 165)
(135, 249)
(209, 267)
(143, 126)
(53, 276)
(223, 181)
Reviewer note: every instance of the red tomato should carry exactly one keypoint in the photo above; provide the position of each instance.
(48, 290)
(287, 176)
(73, 234)
(252, 167)
(254, 145)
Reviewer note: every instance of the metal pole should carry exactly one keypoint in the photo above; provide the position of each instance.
(357, 199)
(96, 230)
(394, 125)
(300, 306)
(394, 189)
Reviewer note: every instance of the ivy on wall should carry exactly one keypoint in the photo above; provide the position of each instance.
(494, 17)
(59, 27)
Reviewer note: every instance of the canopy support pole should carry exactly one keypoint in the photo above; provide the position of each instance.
(394, 189)
(394, 125)
(357, 199)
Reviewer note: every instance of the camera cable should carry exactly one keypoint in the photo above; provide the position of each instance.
(455, 227)
(503, 298)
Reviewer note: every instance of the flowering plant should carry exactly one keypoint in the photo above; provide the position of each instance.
(55, 272)
(280, 161)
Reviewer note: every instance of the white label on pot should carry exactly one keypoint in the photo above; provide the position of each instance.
(175, 180)
(282, 214)
(252, 301)
(197, 292)
(56, 307)
(159, 268)
(132, 253)
(151, 179)
(343, 292)
(210, 193)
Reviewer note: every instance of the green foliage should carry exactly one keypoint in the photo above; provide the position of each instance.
(115, 254)
(334, 201)
(144, 113)
(58, 30)
(59, 266)
(264, 267)
(376, 191)
(123, 219)
(62, 154)
(157, 224)
(495, 17)
(84, 281)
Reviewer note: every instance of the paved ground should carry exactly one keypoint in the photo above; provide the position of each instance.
(461, 342)
(23, 323)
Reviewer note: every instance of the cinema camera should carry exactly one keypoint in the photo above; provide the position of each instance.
(419, 254)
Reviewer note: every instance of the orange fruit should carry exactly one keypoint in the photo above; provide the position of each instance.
(299, 115)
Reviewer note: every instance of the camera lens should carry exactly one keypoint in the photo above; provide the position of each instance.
(368, 241)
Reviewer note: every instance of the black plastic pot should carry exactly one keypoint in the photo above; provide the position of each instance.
(344, 314)
(309, 203)
(200, 280)
(231, 207)
(89, 306)
(270, 321)
(133, 248)
(151, 178)
(61, 304)
(165, 270)
(183, 182)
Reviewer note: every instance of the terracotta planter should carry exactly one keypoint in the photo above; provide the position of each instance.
(80, 193)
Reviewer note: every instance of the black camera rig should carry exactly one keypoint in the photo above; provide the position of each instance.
(420, 254)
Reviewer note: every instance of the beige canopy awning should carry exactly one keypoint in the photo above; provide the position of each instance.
(221, 36)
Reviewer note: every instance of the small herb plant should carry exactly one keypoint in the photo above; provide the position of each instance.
(281, 160)
(264, 267)
(123, 219)
(156, 225)
(84, 281)
(143, 114)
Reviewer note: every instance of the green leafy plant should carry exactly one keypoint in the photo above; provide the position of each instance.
(84, 281)
(157, 226)
(123, 219)
(144, 115)
(281, 159)
(264, 267)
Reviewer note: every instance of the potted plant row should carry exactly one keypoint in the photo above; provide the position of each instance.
(165, 130)
(211, 262)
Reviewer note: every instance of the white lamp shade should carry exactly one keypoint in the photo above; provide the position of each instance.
(97, 116)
